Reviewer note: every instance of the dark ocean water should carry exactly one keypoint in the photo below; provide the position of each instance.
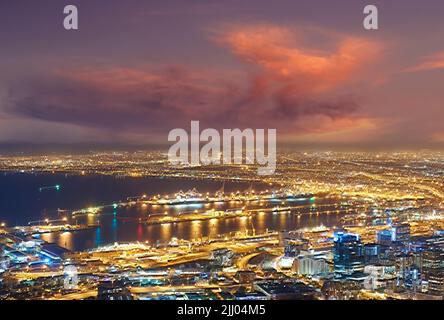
(21, 199)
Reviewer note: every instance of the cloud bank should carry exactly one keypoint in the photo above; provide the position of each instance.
(283, 84)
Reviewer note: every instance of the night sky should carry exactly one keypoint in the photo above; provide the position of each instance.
(136, 69)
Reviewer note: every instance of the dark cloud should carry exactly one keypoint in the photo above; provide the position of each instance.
(282, 87)
(138, 101)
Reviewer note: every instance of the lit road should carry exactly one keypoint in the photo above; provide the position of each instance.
(242, 262)
(77, 295)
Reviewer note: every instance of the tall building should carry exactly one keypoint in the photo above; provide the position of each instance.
(294, 247)
(436, 283)
(384, 237)
(412, 278)
(433, 270)
(372, 252)
(348, 253)
(432, 261)
(401, 232)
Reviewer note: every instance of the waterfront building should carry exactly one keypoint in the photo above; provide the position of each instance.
(348, 253)
(310, 264)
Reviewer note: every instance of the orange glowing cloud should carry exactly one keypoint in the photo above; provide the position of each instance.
(287, 85)
(344, 130)
(293, 83)
(438, 137)
(435, 61)
(277, 52)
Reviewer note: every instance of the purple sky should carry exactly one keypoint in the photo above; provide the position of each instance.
(137, 69)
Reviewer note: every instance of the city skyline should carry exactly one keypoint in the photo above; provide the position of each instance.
(221, 155)
(131, 73)
(130, 226)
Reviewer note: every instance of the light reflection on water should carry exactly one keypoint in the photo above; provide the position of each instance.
(21, 201)
(116, 227)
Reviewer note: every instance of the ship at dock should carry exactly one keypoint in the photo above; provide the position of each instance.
(194, 197)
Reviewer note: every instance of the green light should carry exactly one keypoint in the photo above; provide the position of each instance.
(57, 187)
(115, 205)
(312, 199)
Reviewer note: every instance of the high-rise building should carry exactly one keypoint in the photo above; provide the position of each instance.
(432, 261)
(348, 253)
(384, 237)
(433, 270)
(436, 283)
(294, 247)
(401, 232)
(372, 252)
